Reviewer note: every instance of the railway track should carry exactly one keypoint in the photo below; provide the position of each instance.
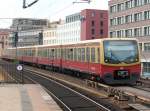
(116, 92)
(69, 98)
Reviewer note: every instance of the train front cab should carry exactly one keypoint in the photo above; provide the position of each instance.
(120, 62)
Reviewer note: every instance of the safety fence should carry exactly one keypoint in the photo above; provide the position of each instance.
(11, 72)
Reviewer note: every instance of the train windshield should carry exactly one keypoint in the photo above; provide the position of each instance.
(120, 51)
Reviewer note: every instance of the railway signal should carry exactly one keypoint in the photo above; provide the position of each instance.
(15, 38)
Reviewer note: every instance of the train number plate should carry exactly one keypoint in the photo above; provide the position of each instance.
(122, 73)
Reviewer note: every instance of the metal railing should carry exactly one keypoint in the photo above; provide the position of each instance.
(11, 72)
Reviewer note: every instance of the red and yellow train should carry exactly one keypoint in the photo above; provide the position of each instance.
(114, 61)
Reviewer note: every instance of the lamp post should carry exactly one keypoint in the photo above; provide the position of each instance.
(16, 43)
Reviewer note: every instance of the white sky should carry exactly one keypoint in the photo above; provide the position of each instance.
(47, 9)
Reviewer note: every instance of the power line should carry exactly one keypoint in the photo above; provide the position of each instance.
(29, 5)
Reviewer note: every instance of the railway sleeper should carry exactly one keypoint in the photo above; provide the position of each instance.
(117, 94)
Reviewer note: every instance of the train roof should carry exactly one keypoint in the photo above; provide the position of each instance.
(80, 42)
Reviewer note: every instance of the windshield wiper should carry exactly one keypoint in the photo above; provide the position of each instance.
(127, 60)
(116, 58)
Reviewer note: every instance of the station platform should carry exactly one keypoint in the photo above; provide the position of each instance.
(27, 97)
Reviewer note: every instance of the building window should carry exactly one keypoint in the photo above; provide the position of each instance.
(113, 34)
(137, 32)
(113, 21)
(128, 4)
(113, 9)
(146, 1)
(140, 46)
(101, 32)
(101, 23)
(119, 34)
(146, 31)
(93, 37)
(101, 15)
(138, 16)
(93, 23)
(128, 18)
(128, 33)
(146, 15)
(93, 31)
(119, 20)
(146, 67)
(93, 14)
(147, 47)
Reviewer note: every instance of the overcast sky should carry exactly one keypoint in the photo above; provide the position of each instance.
(47, 9)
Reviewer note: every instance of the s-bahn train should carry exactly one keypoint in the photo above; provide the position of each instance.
(111, 60)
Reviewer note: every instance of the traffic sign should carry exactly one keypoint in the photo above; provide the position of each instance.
(19, 68)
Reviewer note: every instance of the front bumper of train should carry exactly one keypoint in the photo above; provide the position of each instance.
(109, 78)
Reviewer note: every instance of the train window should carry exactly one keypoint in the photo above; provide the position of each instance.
(88, 54)
(63, 53)
(70, 54)
(92, 54)
(67, 54)
(27, 52)
(30, 52)
(98, 55)
(49, 53)
(45, 53)
(58, 53)
(52, 53)
(75, 54)
(55, 53)
(39, 53)
(79, 54)
(83, 54)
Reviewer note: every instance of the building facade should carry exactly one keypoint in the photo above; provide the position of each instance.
(50, 33)
(69, 30)
(28, 24)
(29, 31)
(85, 25)
(131, 18)
(94, 24)
(4, 34)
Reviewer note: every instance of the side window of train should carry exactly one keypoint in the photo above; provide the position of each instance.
(98, 55)
(67, 54)
(92, 54)
(56, 53)
(79, 54)
(64, 53)
(75, 54)
(40, 53)
(47, 52)
(52, 53)
(71, 53)
(87, 54)
(83, 54)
